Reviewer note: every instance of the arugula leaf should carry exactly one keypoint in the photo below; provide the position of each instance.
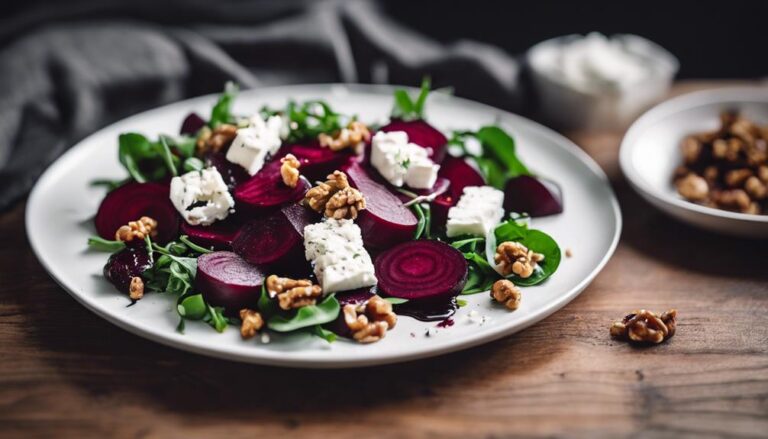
(395, 300)
(104, 245)
(215, 318)
(110, 184)
(132, 149)
(324, 312)
(221, 112)
(165, 153)
(193, 246)
(422, 220)
(407, 109)
(192, 164)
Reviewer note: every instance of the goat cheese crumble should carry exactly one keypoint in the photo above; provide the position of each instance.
(201, 197)
(479, 210)
(255, 143)
(402, 162)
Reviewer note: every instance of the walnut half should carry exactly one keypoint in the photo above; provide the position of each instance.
(643, 326)
(335, 198)
(293, 293)
(506, 293)
(514, 257)
(215, 140)
(145, 226)
(370, 320)
(252, 322)
(289, 170)
(353, 136)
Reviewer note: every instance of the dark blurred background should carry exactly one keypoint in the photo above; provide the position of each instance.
(724, 39)
(68, 68)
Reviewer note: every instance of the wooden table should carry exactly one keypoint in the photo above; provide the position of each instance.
(66, 372)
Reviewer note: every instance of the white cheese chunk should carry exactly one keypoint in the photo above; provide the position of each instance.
(336, 250)
(401, 162)
(254, 143)
(478, 211)
(201, 197)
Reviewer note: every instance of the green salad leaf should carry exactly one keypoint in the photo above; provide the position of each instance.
(408, 109)
(307, 316)
(105, 245)
(222, 110)
(497, 159)
(325, 334)
(537, 241)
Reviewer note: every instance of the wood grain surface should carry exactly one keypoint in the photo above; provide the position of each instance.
(64, 372)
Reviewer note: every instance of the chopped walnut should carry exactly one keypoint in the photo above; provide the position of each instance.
(756, 188)
(353, 136)
(693, 187)
(691, 148)
(644, 326)
(369, 321)
(289, 170)
(734, 199)
(762, 173)
(336, 198)
(514, 257)
(136, 288)
(140, 229)
(252, 322)
(505, 292)
(215, 140)
(737, 177)
(293, 293)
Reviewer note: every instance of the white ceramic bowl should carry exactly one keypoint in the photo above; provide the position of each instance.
(562, 105)
(650, 152)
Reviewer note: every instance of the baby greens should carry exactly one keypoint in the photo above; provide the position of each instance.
(407, 109)
(496, 158)
(147, 160)
(305, 317)
(482, 275)
(222, 110)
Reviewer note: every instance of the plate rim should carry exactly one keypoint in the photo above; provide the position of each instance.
(664, 109)
(273, 358)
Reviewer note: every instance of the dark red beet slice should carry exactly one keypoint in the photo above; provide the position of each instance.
(421, 270)
(276, 238)
(232, 173)
(126, 264)
(422, 134)
(218, 235)
(227, 280)
(192, 124)
(385, 221)
(266, 191)
(316, 162)
(534, 196)
(134, 200)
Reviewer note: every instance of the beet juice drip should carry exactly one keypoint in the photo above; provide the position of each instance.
(428, 310)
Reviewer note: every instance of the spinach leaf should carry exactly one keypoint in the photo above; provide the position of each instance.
(500, 145)
(192, 307)
(537, 241)
(324, 312)
(221, 112)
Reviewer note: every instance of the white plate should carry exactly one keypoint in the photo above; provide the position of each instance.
(650, 152)
(61, 206)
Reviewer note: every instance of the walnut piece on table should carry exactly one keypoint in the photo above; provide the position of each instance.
(643, 326)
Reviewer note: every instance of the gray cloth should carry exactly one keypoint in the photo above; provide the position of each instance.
(69, 69)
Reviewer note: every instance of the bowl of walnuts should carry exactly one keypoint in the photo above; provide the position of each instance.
(703, 159)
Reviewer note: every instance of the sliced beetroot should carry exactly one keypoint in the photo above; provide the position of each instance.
(218, 235)
(225, 279)
(422, 134)
(385, 221)
(534, 196)
(461, 174)
(421, 270)
(192, 124)
(316, 162)
(126, 264)
(266, 191)
(134, 200)
(232, 173)
(276, 238)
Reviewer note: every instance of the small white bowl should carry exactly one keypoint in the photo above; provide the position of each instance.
(566, 106)
(650, 152)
